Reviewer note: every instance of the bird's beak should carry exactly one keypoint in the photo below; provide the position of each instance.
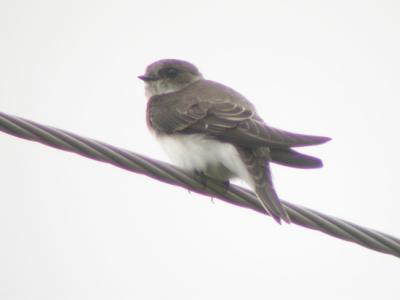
(147, 78)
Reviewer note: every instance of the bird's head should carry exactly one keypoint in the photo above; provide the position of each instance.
(168, 76)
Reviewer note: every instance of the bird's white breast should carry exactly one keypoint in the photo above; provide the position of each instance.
(196, 152)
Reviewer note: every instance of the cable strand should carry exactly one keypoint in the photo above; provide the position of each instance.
(167, 173)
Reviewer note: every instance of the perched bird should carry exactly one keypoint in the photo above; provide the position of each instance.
(211, 129)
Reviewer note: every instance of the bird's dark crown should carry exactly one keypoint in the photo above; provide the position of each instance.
(169, 69)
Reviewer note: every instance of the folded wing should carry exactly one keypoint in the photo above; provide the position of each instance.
(224, 120)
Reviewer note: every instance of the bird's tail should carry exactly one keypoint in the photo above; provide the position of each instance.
(265, 191)
(258, 167)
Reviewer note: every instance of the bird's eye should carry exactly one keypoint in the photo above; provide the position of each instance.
(171, 72)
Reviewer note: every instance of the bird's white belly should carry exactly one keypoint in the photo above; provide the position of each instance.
(196, 152)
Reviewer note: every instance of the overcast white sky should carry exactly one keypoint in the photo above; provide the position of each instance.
(73, 228)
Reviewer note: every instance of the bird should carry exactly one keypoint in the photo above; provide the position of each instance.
(208, 128)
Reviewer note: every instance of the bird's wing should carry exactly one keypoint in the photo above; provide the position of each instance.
(290, 158)
(227, 120)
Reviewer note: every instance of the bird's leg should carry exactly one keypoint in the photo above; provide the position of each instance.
(203, 178)
(226, 184)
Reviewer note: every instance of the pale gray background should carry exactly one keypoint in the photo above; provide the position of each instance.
(73, 228)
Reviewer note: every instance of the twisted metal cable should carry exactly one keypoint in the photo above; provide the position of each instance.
(137, 163)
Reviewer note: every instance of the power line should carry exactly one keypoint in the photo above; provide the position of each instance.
(167, 173)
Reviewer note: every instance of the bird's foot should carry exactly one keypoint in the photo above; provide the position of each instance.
(227, 185)
(203, 178)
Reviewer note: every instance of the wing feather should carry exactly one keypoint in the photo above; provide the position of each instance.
(224, 118)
